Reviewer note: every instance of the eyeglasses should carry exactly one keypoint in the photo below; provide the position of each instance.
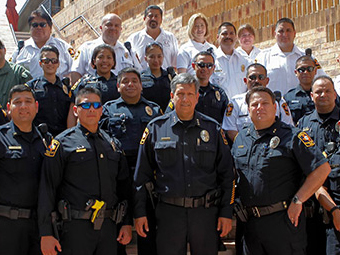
(308, 68)
(87, 105)
(202, 65)
(41, 24)
(49, 60)
(254, 77)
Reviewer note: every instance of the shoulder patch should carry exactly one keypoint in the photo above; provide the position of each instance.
(317, 64)
(230, 108)
(52, 149)
(145, 135)
(75, 85)
(76, 56)
(72, 52)
(171, 105)
(285, 108)
(223, 137)
(306, 139)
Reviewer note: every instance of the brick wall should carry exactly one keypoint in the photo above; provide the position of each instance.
(316, 21)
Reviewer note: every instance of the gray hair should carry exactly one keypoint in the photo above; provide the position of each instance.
(184, 78)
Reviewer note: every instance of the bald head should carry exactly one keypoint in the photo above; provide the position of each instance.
(111, 28)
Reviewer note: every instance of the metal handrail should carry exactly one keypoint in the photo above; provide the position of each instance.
(13, 33)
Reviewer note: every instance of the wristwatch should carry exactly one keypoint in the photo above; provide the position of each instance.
(335, 208)
(296, 200)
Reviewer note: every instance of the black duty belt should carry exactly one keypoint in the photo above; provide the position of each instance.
(14, 213)
(259, 211)
(186, 202)
(86, 215)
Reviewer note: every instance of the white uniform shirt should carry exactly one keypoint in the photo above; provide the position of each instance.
(229, 72)
(29, 57)
(82, 59)
(188, 51)
(237, 115)
(281, 66)
(140, 39)
(337, 84)
(251, 57)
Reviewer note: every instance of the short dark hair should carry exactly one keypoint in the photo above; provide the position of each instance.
(154, 7)
(204, 53)
(302, 59)
(86, 91)
(259, 89)
(322, 77)
(128, 70)
(40, 13)
(225, 24)
(284, 20)
(184, 78)
(256, 65)
(102, 47)
(2, 44)
(19, 89)
(49, 48)
(153, 45)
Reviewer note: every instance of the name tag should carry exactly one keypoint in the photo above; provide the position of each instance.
(14, 147)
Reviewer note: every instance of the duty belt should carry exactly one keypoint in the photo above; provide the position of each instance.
(86, 215)
(259, 211)
(14, 213)
(186, 202)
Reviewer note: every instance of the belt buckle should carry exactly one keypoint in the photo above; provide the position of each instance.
(14, 213)
(188, 202)
(256, 212)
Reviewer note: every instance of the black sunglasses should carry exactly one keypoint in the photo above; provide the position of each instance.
(87, 105)
(48, 60)
(254, 77)
(41, 24)
(308, 68)
(202, 65)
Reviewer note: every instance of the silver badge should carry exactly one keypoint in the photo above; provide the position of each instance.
(205, 136)
(274, 142)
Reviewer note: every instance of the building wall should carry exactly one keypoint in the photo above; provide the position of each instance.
(317, 21)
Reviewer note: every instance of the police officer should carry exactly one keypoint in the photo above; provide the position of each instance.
(237, 115)
(271, 159)
(86, 172)
(186, 156)
(156, 80)
(22, 147)
(53, 95)
(298, 98)
(126, 118)
(323, 126)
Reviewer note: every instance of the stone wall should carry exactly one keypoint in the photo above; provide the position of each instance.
(316, 21)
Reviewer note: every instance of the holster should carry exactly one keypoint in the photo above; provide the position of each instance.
(64, 208)
(213, 198)
(120, 212)
(151, 191)
(240, 211)
(57, 224)
(309, 208)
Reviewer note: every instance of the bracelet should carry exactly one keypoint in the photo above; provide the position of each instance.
(337, 207)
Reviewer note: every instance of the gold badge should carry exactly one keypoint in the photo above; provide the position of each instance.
(145, 135)
(229, 110)
(148, 110)
(274, 142)
(205, 136)
(305, 138)
(218, 95)
(52, 149)
(285, 108)
(243, 67)
(223, 137)
(65, 89)
(126, 55)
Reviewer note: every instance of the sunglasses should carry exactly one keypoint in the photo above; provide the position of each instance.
(41, 24)
(49, 60)
(207, 65)
(254, 77)
(87, 105)
(308, 68)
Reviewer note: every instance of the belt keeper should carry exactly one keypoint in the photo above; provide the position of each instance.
(13, 213)
(256, 212)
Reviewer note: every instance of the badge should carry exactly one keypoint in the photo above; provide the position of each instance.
(126, 55)
(274, 142)
(148, 110)
(145, 135)
(52, 149)
(243, 68)
(229, 110)
(337, 127)
(65, 89)
(218, 95)
(285, 108)
(205, 136)
(305, 138)
(72, 52)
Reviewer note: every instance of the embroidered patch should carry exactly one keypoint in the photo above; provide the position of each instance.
(285, 108)
(52, 149)
(223, 137)
(72, 52)
(145, 135)
(230, 108)
(305, 138)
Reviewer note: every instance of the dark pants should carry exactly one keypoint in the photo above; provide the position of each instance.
(333, 241)
(178, 226)
(316, 234)
(79, 237)
(18, 237)
(275, 234)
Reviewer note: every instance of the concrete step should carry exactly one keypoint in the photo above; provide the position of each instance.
(22, 36)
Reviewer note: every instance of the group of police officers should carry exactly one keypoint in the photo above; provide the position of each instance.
(76, 169)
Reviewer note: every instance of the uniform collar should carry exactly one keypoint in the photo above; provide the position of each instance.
(45, 81)
(98, 77)
(300, 89)
(143, 32)
(335, 115)
(221, 54)
(30, 42)
(209, 87)
(87, 133)
(17, 132)
(277, 51)
(147, 72)
(6, 68)
(195, 121)
(120, 100)
(251, 131)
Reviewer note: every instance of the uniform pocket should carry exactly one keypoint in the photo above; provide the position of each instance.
(166, 153)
